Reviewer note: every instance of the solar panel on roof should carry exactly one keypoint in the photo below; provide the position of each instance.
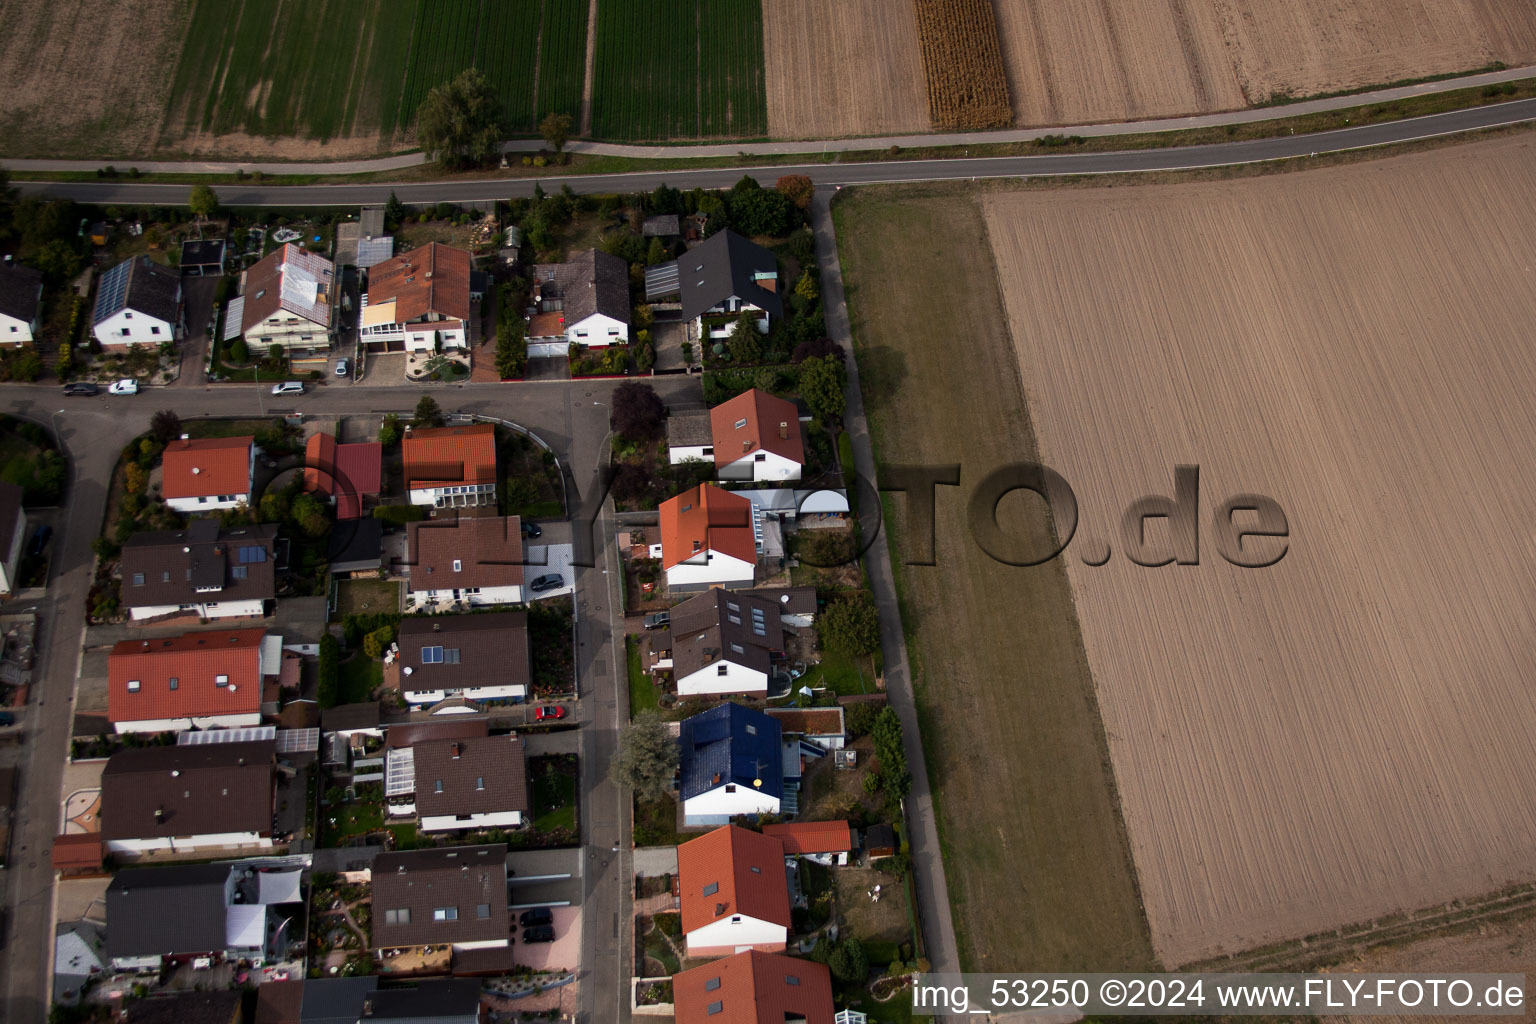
(209, 736)
(252, 553)
(112, 293)
(297, 741)
(400, 771)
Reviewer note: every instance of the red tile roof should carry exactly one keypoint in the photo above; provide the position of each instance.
(207, 466)
(706, 518)
(195, 660)
(754, 988)
(431, 279)
(752, 421)
(448, 456)
(77, 852)
(801, 837)
(348, 471)
(747, 867)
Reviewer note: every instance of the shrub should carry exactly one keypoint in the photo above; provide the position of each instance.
(389, 430)
(378, 641)
(399, 515)
(238, 352)
(851, 626)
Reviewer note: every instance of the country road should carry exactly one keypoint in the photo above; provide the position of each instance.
(1119, 162)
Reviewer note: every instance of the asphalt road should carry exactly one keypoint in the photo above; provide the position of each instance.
(1128, 161)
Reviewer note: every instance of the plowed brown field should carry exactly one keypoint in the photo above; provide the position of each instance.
(1097, 60)
(846, 68)
(1347, 733)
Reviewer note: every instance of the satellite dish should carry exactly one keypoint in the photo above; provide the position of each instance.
(758, 783)
(407, 670)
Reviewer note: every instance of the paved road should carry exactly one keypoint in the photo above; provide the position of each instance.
(1128, 161)
(729, 149)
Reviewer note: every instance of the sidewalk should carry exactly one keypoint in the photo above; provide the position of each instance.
(727, 149)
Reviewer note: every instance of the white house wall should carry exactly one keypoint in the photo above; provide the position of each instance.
(698, 452)
(720, 802)
(210, 610)
(140, 328)
(207, 503)
(15, 331)
(449, 822)
(598, 331)
(184, 843)
(721, 569)
(183, 724)
(486, 596)
(736, 931)
(774, 468)
(737, 679)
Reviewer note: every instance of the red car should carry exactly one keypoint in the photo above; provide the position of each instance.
(549, 713)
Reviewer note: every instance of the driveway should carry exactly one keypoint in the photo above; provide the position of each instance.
(543, 559)
(562, 954)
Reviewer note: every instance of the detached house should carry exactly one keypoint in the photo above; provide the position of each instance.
(757, 437)
(287, 300)
(201, 797)
(204, 570)
(584, 301)
(21, 303)
(477, 657)
(725, 642)
(451, 467)
(418, 301)
(220, 910)
(455, 896)
(207, 680)
(138, 302)
(735, 895)
(708, 539)
(470, 782)
(755, 988)
(207, 474)
(730, 762)
(476, 561)
(716, 281)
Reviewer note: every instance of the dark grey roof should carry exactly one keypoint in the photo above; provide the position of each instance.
(21, 289)
(137, 922)
(166, 567)
(689, 429)
(355, 544)
(185, 1008)
(371, 220)
(139, 284)
(730, 744)
(661, 226)
(335, 1000)
(348, 717)
(590, 282)
(203, 789)
(721, 266)
(492, 651)
(479, 282)
(723, 625)
(418, 882)
(788, 600)
(479, 775)
(429, 1002)
(202, 252)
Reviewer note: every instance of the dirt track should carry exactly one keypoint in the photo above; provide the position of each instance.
(1345, 734)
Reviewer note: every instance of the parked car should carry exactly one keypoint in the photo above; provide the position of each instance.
(549, 713)
(549, 581)
(532, 529)
(127, 386)
(536, 916)
(288, 387)
(81, 387)
(541, 933)
(343, 367)
(40, 538)
(658, 620)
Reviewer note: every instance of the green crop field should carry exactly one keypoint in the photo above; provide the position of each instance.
(649, 54)
(562, 57)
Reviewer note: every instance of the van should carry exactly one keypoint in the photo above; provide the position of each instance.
(288, 387)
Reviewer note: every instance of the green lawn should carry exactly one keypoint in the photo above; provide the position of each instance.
(843, 674)
(656, 823)
(360, 676)
(554, 802)
(405, 836)
(367, 597)
(642, 692)
(356, 818)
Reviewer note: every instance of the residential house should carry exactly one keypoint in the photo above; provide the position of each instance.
(138, 302)
(475, 561)
(368, 998)
(348, 474)
(821, 726)
(209, 473)
(206, 570)
(212, 796)
(289, 300)
(78, 947)
(21, 304)
(430, 1001)
(730, 763)
(464, 783)
(584, 301)
(476, 657)
(735, 894)
(757, 437)
(214, 1007)
(725, 642)
(690, 436)
(716, 281)
(206, 680)
(220, 910)
(755, 988)
(455, 896)
(418, 301)
(825, 842)
(355, 548)
(451, 467)
(708, 539)
(13, 535)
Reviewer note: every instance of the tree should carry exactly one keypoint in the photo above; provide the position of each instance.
(511, 348)
(58, 260)
(657, 253)
(851, 626)
(797, 188)
(848, 962)
(377, 642)
(556, 129)
(459, 123)
(746, 342)
(821, 385)
(636, 412)
(203, 202)
(165, 425)
(309, 515)
(330, 671)
(891, 754)
(807, 287)
(760, 211)
(394, 210)
(647, 757)
(273, 507)
(428, 413)
(666, 200)
(814, 349)
(389, 430)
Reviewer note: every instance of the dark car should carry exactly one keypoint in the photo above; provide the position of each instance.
(658, 620)
(82, 387)
(536, 916)
(550, 581)
(40, 538)
(532, 529)
(539, 933)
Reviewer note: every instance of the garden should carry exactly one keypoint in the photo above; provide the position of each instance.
(530, 485)
(552, 790)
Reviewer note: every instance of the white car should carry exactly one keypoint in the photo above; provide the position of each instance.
(288, 387)
(127, 386)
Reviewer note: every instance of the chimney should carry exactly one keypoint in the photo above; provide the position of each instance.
(770, 284)
(457, 750)
(159, 815)
(783, 430)
(719, 909)
(715, 781)
(437, 627)
(746, 445)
